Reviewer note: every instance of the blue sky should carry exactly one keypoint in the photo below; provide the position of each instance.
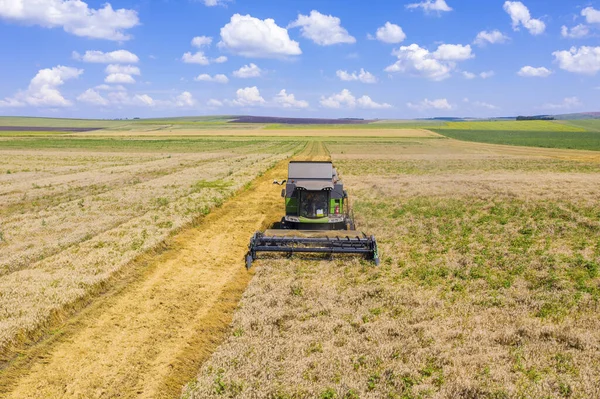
(302, 58)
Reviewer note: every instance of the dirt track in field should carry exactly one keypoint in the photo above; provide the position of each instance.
(148, 337)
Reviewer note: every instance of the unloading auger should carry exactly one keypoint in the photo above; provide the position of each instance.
(317, 217)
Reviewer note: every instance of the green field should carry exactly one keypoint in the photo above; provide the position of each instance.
(568, 140)
(588, 124)
(580, 135)
(533, 126)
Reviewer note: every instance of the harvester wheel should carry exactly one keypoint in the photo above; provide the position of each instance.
(249, 260)
(283, 224)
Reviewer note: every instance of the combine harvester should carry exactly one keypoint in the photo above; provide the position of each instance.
(317, 217)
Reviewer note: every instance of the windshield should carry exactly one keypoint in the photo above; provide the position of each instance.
(313, 204)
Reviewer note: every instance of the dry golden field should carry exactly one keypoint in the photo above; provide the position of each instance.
(71, 219)
(145, 330)
(122, 272)
(489, 285)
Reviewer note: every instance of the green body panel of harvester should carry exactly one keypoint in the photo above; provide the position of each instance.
(317, 217)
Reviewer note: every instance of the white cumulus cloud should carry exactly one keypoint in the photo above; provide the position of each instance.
(431, 6)
(485, 37)
(289, 100)
(126, 69)
(252, 37)
(184, 100)
(435, 66)
(338, 100)
(201, 41)
(248, 71)
(121, 73)
(91, 96)
(144, 99)
(43, 88)
(201, 59)
(10, 103)
(248, 97)
(439, 104)
(532, 72)
(122, 98)
(367, 103)
(584, 60)
(418, 61)
(453, 52)
(345, 99)
(592, 16)
(113, 57)
(520, 15)
(197, 58)
(74, 16)
(122, 78)
(482, 75)
(324, 30)
(219, 78)
(389, 33)
(576, 32)
(362, 76)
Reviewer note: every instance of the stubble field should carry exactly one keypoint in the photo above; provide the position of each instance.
(121, 255)
(489, 284)
(71, 218)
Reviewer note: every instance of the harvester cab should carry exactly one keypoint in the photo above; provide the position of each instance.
(315, 198)
(317, 217)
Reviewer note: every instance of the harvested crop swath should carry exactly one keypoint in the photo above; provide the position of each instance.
(71, 220)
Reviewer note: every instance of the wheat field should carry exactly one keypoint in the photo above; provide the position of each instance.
(489, 285)
(71, 219)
